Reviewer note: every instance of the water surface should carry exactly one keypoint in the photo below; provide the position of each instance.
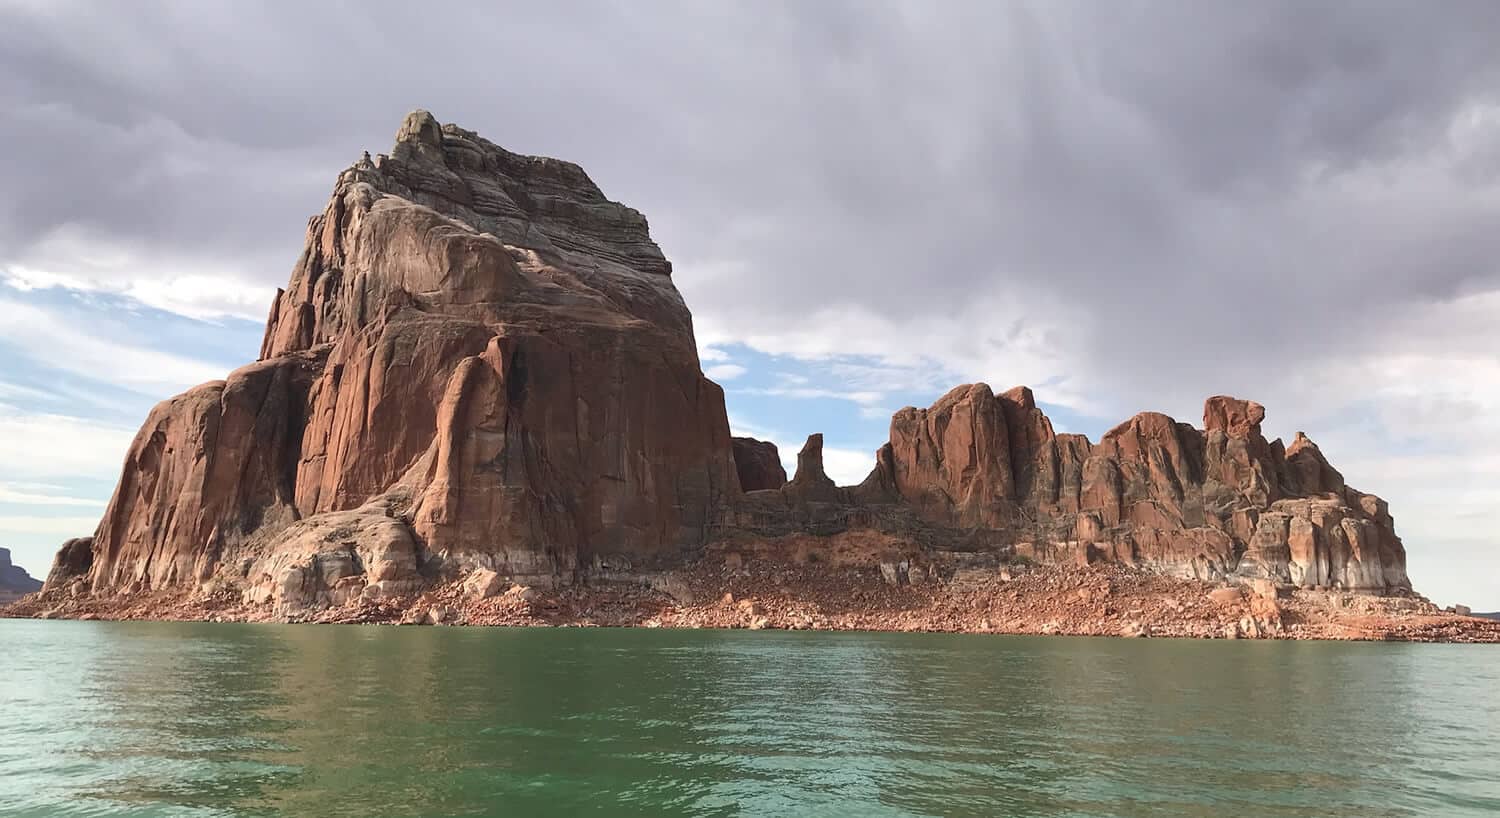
(158, 719)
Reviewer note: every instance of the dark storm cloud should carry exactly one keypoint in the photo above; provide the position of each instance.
(1123, 176)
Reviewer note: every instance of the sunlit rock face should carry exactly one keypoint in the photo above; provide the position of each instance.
(481, 363)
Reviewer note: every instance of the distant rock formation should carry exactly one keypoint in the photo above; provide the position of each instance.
(481, 363)
(758, 464)
(14, 581)
(981, 471)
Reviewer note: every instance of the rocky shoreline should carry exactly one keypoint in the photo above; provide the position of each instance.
(723, 592)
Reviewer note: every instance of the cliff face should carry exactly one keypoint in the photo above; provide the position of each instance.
(480, 362)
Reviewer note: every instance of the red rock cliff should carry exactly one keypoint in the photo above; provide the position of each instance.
(479, 361)
(482, 362)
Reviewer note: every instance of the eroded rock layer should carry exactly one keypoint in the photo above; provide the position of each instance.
(481, 367)
(980, 471)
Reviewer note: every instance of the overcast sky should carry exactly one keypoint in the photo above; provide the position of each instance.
(1126, 205)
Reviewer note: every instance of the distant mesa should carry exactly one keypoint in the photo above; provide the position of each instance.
(481, 363)
(14, 581)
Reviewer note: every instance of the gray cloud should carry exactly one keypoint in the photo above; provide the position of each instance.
(1147, 169)
(1136, 203)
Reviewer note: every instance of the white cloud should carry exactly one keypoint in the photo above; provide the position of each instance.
(817, 393)
(203, 296)
(58, 527)
(64, 346)
(55, 391)
(34, 494)
(724, 372)
(46, 447)
(15, 391)
(739, 426)
(859, 355)
(847, 467)
(26, 280)
(800, 387)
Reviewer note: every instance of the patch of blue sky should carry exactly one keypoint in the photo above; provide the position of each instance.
(79, 371)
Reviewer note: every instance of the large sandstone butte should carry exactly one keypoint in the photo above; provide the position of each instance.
(479, 362)
(482, 364)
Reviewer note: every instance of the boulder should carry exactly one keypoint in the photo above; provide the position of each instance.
(1264, 589)
(523, 593)
(483, 584)
(894, 573)
(73, 561)
(334, 557)
(1135, 630)
(1225, 596)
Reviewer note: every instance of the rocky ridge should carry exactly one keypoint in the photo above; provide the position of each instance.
(978, 471)
(481, 367)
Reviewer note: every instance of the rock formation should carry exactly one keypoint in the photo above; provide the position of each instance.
(14, 581)
(986, 472)
(72, 561)
(481, 364)
(758, 464)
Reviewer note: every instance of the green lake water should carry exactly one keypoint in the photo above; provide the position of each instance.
(115, 719)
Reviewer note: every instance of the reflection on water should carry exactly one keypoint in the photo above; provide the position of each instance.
(197, 719)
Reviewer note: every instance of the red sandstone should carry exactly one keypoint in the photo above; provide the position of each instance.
(481, 373)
